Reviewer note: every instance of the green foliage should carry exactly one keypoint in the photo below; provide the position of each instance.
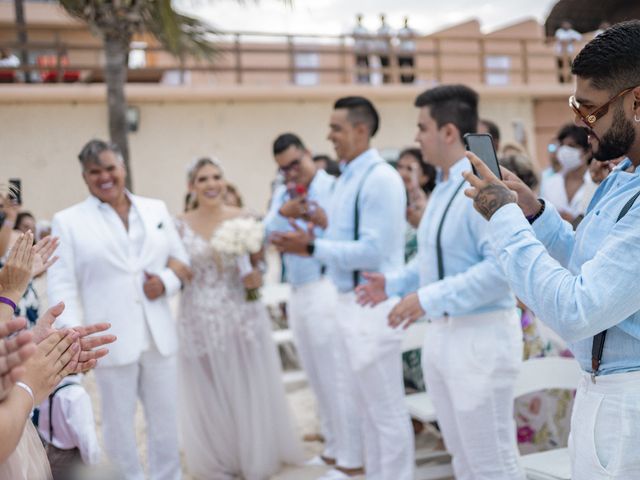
(119, 20)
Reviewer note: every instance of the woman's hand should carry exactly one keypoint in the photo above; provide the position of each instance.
(52, 361)
(16, 273)
(14, 352)
(89, 352)
(42, 255)
(253, 280)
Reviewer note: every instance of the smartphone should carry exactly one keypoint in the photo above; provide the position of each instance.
(482, 145)
(15, 190)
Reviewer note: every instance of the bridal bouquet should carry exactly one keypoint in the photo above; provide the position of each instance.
(238, 238)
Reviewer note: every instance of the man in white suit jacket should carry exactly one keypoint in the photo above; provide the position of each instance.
(114, 249)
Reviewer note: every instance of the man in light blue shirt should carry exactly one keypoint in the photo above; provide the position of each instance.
(583, 283)
(473, 344)
(365, 232)
(303, 198)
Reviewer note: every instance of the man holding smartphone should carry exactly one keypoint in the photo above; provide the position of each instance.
(473, 344)
(583, 283)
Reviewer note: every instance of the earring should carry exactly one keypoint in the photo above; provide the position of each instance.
(635, 117)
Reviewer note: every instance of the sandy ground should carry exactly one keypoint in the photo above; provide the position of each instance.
(303, 408)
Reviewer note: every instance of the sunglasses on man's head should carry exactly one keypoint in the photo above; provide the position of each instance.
(589, 119)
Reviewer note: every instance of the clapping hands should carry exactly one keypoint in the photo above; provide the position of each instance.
(14, 352)
(91, 348)
(42, 255)
(16, 273)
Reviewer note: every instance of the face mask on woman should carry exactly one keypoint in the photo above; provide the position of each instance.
(570, 158)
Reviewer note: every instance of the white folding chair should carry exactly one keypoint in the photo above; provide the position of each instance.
(273, 295)
(544, 374)
(421, 408)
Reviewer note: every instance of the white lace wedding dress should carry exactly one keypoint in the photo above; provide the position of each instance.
(235, 420)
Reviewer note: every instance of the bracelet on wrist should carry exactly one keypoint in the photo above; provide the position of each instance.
(8, 301)
(27, 389)
(534, 217)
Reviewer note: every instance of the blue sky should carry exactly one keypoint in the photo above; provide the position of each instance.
(337, 16)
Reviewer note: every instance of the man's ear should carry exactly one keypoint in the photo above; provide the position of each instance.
(362, 129)
(636, 101)
(451, 133)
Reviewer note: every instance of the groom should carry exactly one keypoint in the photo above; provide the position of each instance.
(113, 256)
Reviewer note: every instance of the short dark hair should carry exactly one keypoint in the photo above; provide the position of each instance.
(456, 104)
(427, 169)
(286, 140)
(522, 167)
(360, 110)
(578, 134)
(611, 60)
(492, 128)
(21, 216)
(90, 153)
(332, 168)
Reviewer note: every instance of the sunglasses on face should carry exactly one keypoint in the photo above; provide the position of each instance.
(589, 119)
(293, 164)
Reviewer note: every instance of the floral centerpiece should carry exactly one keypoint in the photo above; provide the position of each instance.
(239, 238)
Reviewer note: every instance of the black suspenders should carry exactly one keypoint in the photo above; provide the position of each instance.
(356, 217)
(598, 341)
(439, 234)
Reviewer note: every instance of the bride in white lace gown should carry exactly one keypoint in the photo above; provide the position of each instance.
(234, 414)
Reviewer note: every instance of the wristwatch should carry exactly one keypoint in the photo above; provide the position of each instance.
(311, 248)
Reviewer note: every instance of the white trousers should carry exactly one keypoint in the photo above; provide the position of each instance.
(153, 380)
(371, 374)
(605, 428)
(470, 365)
(312, 313)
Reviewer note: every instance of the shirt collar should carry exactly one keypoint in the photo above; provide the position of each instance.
(456, 170)
(360, 162)
(95, 201)
(317, 178)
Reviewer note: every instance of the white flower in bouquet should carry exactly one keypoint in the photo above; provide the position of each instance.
(238, 238)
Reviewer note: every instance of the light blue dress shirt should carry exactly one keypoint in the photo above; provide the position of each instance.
(300, 270)
(380, 247)
(584, 282)
(474, 283)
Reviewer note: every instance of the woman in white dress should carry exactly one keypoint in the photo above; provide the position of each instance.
(234, 414)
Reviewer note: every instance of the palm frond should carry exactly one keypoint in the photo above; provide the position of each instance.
(180, 34)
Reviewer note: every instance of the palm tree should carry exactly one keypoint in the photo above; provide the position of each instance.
(116, 21)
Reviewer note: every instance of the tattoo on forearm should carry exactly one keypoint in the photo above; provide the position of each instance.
(491, 197)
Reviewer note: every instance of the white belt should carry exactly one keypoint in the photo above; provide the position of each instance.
(473, 320)
(614, 383)
(309, 285)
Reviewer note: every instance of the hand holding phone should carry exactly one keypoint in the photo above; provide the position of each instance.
(481, 144)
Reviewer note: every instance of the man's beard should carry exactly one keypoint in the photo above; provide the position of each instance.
(618, 139)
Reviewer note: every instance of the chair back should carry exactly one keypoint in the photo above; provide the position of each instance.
(546, 373)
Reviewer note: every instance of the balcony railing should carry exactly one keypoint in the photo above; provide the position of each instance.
(255, 58)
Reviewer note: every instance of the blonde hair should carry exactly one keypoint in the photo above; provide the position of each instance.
(200, 162)
(190, 201)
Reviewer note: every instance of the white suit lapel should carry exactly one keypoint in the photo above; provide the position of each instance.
(147, 221)
(102, 229)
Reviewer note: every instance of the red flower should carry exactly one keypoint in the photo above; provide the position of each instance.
(525, 434)
(301, 189)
